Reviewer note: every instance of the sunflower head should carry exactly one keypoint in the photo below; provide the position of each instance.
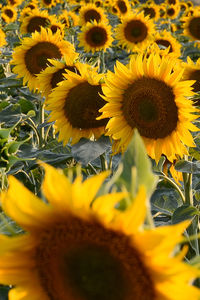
(135, 31)
(8, 14)
(32, 56)
(91, 13)
(79, 246)
(191, 26)
(49, 78)
(192, 72)
(172, 11)
(152, 99)
(165, 40)
(95, 37)
(75, 104)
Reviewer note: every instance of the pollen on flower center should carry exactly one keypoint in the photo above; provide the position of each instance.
(83, 260)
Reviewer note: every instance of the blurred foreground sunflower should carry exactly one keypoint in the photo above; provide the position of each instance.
(77, 251)
(32, 56)
(148, 95)
(75, 104)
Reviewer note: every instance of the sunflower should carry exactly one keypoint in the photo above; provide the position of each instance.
(183, 6)
(172, 11)
(14, 3)
(69, 18)
(48, 3)
(95, 37)
(49, 78)
(90, 13)
(36, 20)
(165, 40)
(75, 250)
(8, 14)
(32, 56)
(32, 5)
(172, 2)
(148, 95)
(191, 26)
(74, 106)
(152, 11)
(135, 31)
(123, 7)
(192, 72)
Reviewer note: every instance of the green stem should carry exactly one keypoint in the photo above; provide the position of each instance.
(149, 217)
(187, 180)
(174, 185)
(41, 121)
(103, 162)
(102, 63)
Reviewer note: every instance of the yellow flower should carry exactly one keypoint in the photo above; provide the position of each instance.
(14, 3)
(69, 18)
(192, 72)
(48, 3)
(164, 39)
(148, 95)
(32, 56)
(91, 13)
(172, 11)
(49, 78)
(152, 11)
(95, 37)
(135, 31)
(35, 20)
(8, 14)
(75, 250)
(191, 26)
(123, 7)
(74, 105)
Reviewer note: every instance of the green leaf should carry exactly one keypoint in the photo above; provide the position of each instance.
(188, 166)
(137, 168)
(86, 151)
(184, 212)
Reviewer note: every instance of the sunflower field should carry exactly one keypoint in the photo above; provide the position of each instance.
(99, 150)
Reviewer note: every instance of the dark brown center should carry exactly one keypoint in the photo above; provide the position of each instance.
(149, 11)
(135, 31)
(36, 58)
(195, 75)
(164, 43)
(92, 15)
(96, 37)
(47, 2)
(194, 27)
(122, 6)
(9, 13)
(148, 105)
(171, 12)
(35, 24)
(58, 76)
(82, 106)
(82, 260)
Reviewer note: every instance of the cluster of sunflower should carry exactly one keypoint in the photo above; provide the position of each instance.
(76, 243)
